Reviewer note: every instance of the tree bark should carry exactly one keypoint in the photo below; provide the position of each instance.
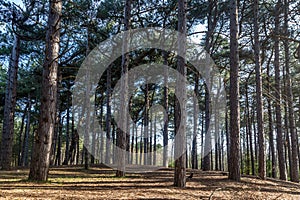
(41, 157)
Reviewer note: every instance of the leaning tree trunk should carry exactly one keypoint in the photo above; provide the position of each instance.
(281, 159)
(180, 107)
(259, 102)
(41, 154)
(234, 163)
(9, 108)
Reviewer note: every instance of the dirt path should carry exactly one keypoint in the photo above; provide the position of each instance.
(100, 183)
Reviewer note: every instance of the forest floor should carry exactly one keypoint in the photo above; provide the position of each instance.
(100, 183)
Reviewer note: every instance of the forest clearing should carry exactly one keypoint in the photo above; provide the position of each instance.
(100, 183)
(149, 99)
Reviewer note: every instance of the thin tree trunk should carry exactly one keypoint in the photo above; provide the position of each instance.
(20, 153)
(58, 154)
(67, 130)
(270, 120)
(154, 144)
(41, 156)
(94, 134)
(150, 138)
(294, 161)
(259, 103)
(108, 116)
(121, 132)
(26, 136)
(146, 125)
(132, 144)
(141, 144)
(101, 135)
(180, 107)
(136, 146)
(9, 107)
(207, 142)
(195, 131)
(281, 159)
(248, 135)
(234, 164)
(166, 105)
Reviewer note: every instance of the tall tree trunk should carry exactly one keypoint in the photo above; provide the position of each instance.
(9, 107)
(101, 134)
(26, 135)
(146, 125)
(281, 159)
(195, 131)
(270, 120)
(72, 151)
(294, 145)
(132, 144)
(121, 132)
(154, 143)
(166, 105)
(94, 134)
(21, 132)
(234, 164)
(41, 157)
(108, 116)
(67, 151)
(207, 140)
(150, 138)
(141, 144)
(248, 135)
(259, 102)
(59, 140)
(180, 107)
(87, 109)
(136, 146)
(207, 161)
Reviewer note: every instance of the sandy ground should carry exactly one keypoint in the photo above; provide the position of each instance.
(100, 183)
